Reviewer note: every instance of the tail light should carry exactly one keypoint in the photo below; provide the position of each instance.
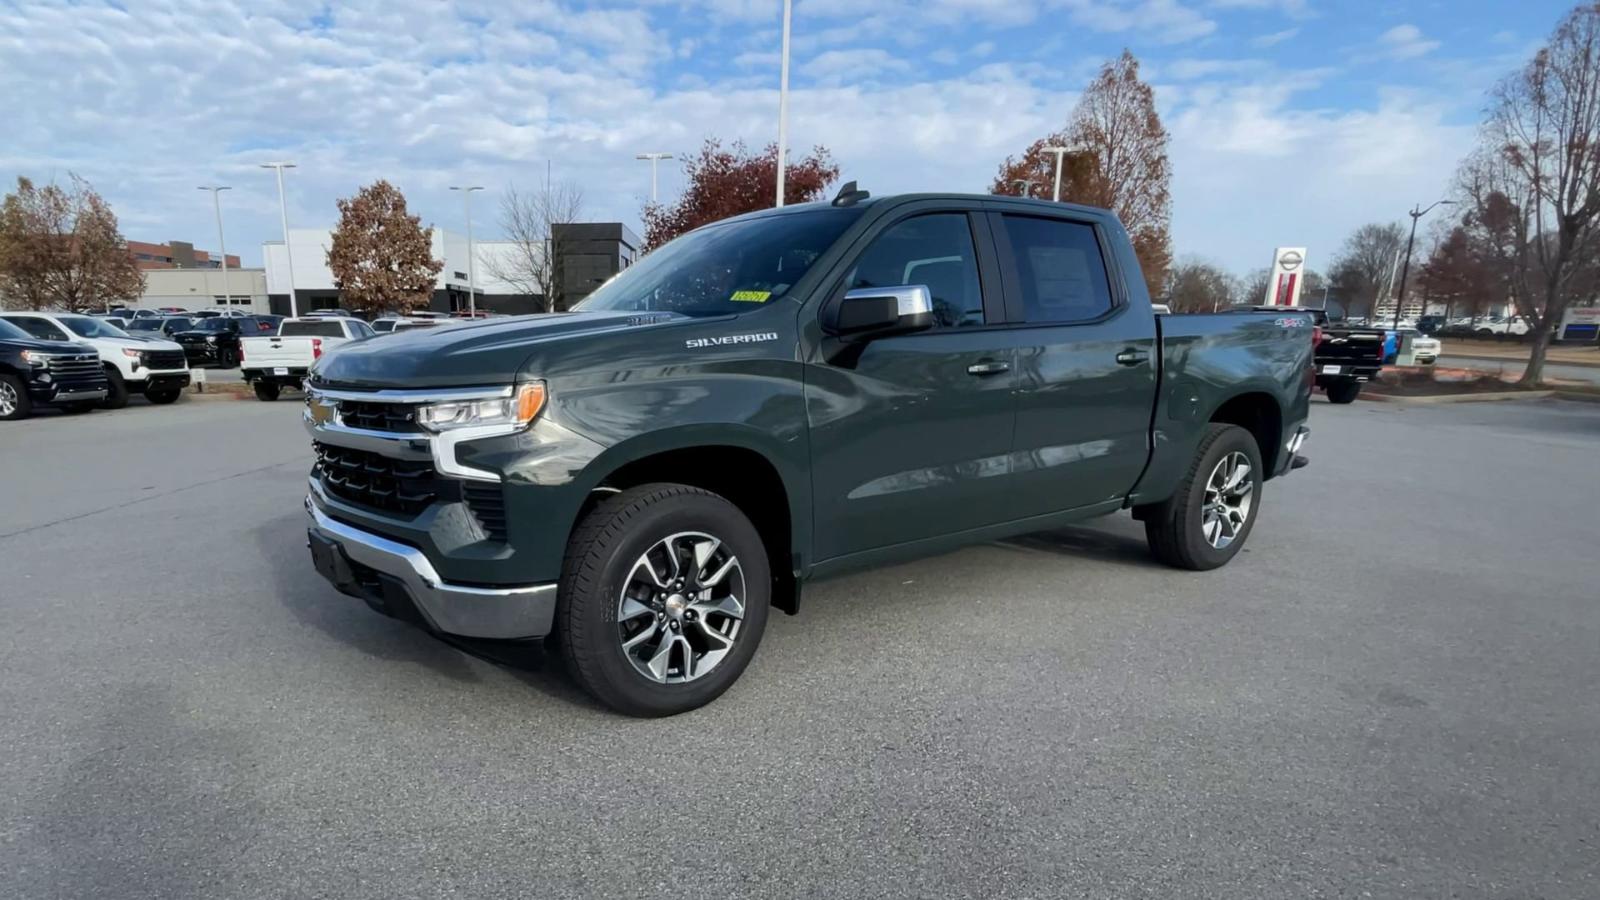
(241, 352)
(316, 348)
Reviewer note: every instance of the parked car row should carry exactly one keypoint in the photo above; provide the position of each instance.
(147, 365)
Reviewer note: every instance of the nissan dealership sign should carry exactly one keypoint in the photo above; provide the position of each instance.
(1288, 276)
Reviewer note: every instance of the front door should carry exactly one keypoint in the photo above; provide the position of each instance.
(910, 439)
(1086, 373)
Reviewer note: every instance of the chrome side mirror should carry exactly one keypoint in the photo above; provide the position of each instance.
(882, 311)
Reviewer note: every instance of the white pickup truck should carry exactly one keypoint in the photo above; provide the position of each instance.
(270, 364)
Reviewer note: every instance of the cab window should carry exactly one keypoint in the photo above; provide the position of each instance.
(935, 250)
(1059, 270)
(43, 329)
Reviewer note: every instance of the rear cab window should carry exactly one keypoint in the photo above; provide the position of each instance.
(316, 328)
(1058, 270)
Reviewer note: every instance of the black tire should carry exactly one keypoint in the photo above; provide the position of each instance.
(1174, 528)
(227, 358)
(116, 390)
(266, 391)
(18, 405)
(1343, 391)
(600, 557)
(163, 396)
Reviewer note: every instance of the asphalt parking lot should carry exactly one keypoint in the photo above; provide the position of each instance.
(1392, 693)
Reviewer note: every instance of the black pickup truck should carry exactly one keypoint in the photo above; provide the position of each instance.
(35, 372)
(1347, 356)
(779, 397)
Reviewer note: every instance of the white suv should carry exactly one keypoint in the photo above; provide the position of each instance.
(155, 368)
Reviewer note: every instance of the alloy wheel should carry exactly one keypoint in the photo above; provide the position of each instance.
(8, 399)
(1230, 495)
(681, 607)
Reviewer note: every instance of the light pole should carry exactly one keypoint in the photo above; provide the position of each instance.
(655, 160)
(783, 100)
(1025, 185)
(472, 271)
(1405, 273)
(222, 243)
(283, 213)
(1061, 152)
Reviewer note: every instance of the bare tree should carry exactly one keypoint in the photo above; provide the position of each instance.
(531, 220)
(60, 248)
(1543, 173)
(1194, 285)
(1365, 266)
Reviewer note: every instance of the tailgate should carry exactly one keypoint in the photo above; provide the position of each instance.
(272, 352)
(1351, 348)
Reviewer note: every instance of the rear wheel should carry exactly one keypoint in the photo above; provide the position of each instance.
(116, 390)
(1343, 391)
(14, 400)
(163, 395)
(1207, 519)
(266, 390)
(663, 599)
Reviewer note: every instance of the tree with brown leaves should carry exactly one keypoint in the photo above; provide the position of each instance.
(1118, 162)
(723, 183)
(60, 249)
(1534, 187)
(382, 258)
(1194, 285)
(1456, 276)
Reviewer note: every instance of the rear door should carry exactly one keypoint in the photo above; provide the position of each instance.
(910, 433)
(1086, 373)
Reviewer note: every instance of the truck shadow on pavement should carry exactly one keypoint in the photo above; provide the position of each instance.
(313, 602)
(1119, 541)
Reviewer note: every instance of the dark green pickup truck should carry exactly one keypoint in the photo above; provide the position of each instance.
(779, 397)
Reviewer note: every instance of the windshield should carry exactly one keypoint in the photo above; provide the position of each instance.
(143, 325)
(725, 268)
(83, 326)
(12, 333)
(214, 324)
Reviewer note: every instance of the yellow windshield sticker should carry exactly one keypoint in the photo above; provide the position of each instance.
(750, 296)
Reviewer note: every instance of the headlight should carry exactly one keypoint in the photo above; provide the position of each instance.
(514, 412)
(35, 358)
(136, 354)
(211, 340)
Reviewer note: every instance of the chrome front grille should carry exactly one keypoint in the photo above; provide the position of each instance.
(78, 371)
(395, 418)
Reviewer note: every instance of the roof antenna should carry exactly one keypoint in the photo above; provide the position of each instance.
(849, 196)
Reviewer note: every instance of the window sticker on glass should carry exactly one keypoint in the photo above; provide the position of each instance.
(750, 296)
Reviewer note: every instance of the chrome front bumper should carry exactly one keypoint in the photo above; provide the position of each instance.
(371, 567)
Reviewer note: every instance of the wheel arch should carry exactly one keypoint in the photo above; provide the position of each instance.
(1259, 413)
(733, 465)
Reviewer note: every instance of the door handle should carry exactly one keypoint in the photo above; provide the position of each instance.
(1132, 357)
(988, 367)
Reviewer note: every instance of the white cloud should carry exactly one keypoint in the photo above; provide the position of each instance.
(399, 89)
(1405, 42)
(1275, 38)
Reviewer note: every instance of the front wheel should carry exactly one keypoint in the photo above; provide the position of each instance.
(163, 395)
(227, 358)
(1343, 391)
(1207, 519)
(14, 400)
(116, 390)
(663, 599)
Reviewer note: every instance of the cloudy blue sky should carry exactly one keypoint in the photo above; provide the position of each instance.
(1292, 120)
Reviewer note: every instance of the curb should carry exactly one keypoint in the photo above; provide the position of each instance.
(1580, 396)
(1467, 398)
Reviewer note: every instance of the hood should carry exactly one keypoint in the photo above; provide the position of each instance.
(486, 351)
(47, 346)
(142, 343)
